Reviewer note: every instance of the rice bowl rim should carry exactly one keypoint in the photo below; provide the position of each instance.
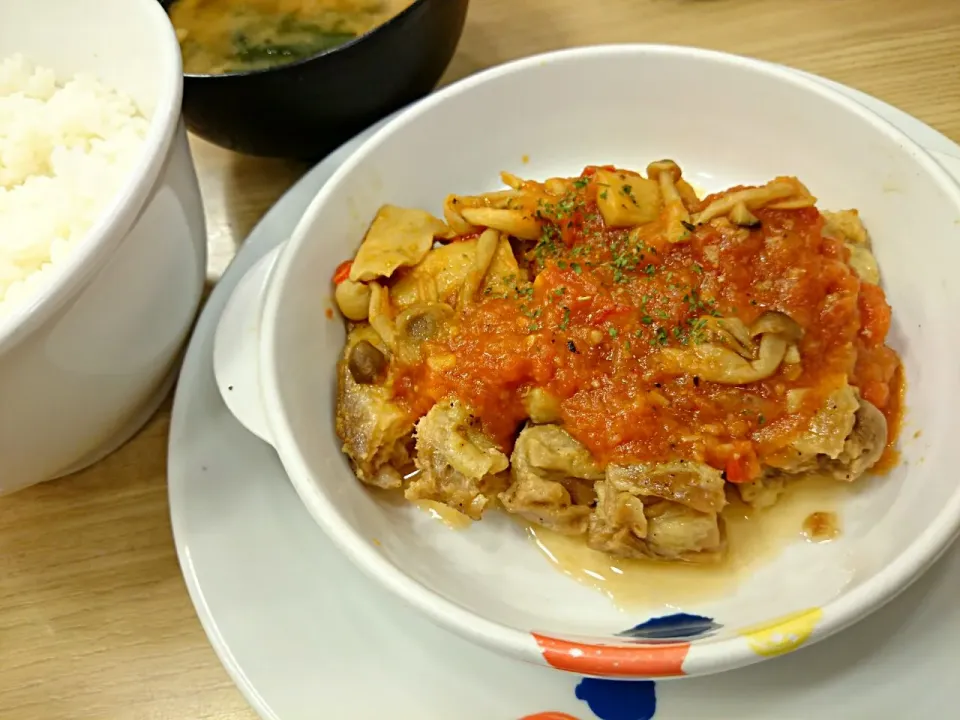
(116, 218)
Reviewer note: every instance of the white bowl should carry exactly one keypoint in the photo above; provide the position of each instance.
(86, 362)
(726, 120)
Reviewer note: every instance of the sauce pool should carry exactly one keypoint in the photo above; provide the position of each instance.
(753, 538)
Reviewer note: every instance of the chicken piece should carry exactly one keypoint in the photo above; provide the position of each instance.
(553, 478)
(826, 434)
(827, 448)
(830, 427)
(764, 491)
(375, 432)
(676, 532)
(845, 225)
(665, 510)
(554, 454)
(863, 446)
(625, 200)
(398, 237)
(845, 439)
(546, 503)
(625, 526)
(618, 524)
(459, 466)
(864, 264)
(443, 272)
(693, 484)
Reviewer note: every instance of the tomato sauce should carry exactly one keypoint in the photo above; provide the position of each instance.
(590, 322)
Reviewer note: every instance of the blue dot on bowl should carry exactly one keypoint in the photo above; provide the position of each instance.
(680, 626)
(619, 699)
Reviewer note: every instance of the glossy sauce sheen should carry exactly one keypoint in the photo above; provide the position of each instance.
(219, 36)
(601, 306)
(453, 519)
(821, 526)
(754, 537)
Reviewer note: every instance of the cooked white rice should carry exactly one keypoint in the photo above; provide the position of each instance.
(65, 150)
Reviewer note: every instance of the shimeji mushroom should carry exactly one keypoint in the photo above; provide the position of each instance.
(380, 314)
(781, 193)
(487, 245)
(501, 210)
(353, 299)
(667, 173)
(366, 363)
(416, 325)
(728, 363)
(740, 215)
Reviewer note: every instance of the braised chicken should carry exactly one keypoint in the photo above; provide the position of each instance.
(612, 357)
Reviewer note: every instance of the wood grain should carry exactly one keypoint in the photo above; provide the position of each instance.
(95, 621)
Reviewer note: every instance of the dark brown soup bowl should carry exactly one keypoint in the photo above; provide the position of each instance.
(306, 109)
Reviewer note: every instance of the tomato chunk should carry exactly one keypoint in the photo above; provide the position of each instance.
(874, 315)
(342, 272)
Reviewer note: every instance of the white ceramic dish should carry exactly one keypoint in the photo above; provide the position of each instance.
(489, 583)
(260, 574)
(88, 360)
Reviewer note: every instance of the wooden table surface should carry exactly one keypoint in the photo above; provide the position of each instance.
(95, 622)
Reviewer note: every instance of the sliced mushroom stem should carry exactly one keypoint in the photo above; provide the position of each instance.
(486, 248)
(750, 198)
(668, 173)
(741, 216)
(517, 223)
(453, 213)
(510, 180)
(381, 315)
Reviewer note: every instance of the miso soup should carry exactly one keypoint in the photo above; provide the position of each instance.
(222, 36)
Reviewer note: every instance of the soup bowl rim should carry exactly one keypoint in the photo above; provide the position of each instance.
(254, 72)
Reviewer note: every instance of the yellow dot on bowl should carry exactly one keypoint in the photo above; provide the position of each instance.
(784, 634)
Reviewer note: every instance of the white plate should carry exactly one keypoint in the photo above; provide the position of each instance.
(305, 635)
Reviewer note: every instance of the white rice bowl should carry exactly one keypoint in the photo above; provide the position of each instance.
(66, 149)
